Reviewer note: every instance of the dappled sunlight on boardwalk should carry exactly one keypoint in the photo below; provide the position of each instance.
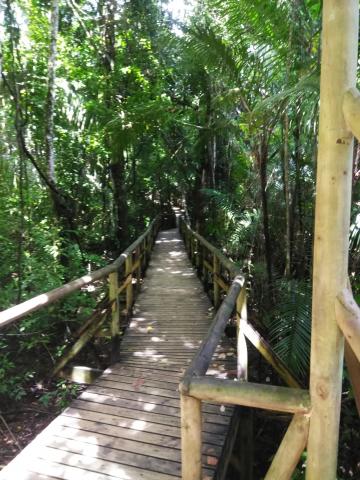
(127, 424)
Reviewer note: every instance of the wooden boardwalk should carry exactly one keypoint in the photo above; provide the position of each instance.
(127, 424)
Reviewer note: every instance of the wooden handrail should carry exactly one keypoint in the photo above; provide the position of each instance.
(236, 297)
(196, 387)
(224, 261)
(44, 299)
(256, 395)
(202, 358)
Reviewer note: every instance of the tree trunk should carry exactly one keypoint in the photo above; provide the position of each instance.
(297, 207)
(50, 100)
(287, 198)
(261, 160)
(117, 162)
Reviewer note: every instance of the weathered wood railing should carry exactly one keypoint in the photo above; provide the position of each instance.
(197, 387)
(121, 274)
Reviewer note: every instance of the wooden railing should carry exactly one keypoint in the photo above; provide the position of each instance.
(122, 274)
(197, 387)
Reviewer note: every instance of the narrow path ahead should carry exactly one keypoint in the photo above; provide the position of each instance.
(127, 424)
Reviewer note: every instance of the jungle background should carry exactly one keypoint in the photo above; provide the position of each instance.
(114, 110)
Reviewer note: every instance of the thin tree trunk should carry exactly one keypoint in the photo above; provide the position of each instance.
(297, 204)
(262, 157)
(21, 229)
(107, 10)
(287, 197)
(50, 100)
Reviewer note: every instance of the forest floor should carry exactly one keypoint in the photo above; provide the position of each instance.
(20, 425)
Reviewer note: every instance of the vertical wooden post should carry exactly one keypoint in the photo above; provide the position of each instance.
(191, 426)
(242, 352)
(203, 268)
(193, 249)
(143, 252)
(244, 444)
(129, 288)
(332, 218)
(216, 271)
(138, 269)
(115, 315)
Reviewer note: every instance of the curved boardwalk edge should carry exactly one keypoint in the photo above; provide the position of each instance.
(127, 424)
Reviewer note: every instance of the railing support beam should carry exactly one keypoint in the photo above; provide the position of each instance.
(191, 427)
(115, 315)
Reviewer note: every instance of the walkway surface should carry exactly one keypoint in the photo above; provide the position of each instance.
(127, 424)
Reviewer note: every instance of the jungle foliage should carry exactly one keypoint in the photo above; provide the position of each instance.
(111, 111)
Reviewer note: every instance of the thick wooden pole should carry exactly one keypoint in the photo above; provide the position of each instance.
(268, 397)
(190, 438)
(332, 218)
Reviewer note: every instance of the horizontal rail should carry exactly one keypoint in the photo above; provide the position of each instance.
(268, 397)
(225, 262)
(196, 387)
(202, 358)
(44, 299)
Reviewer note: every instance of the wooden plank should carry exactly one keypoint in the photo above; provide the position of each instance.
(88, 464)
(128, 423)
(107, 453)
(167, 406)
(110, 434)
(145, 416)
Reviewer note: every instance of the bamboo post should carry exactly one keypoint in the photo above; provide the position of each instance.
(332, 220)
(191, 425)
(115, 315)
(216, 271)
(129, 288)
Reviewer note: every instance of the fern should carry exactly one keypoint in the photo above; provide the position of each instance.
(290, 325)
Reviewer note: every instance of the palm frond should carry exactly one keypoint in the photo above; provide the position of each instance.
(290, 326)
